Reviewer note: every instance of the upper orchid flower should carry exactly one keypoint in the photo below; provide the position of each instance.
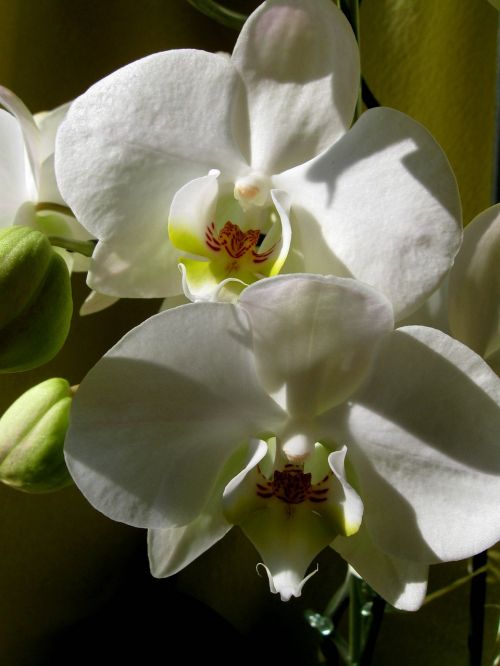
(306, 420)
(239, 168)
(28, 190)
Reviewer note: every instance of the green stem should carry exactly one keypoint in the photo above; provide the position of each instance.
(82, 247)
(49, 206)
(214, 10)
(372, 631)
(476, 608)
(453, 586)
(340, 595)
(355, 621)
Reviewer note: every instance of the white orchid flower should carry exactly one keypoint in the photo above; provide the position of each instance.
(302, 416)
(239, 168)
(467, 304)
(474, 291)
(28, 190)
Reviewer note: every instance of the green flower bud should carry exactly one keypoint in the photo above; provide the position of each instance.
(32, 433)
(35, 300)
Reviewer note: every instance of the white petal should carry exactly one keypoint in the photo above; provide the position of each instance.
(125, 268)
(136, 137)
(434, 311)
(173, 548)
(343, 501)
(386, 204)
(130, 142)
(289, 533)
(48, 123)
(173, 302)
(30, 131)
(13, 187)
(155, 420)
(403, 584)
(191, 212)
(287, 536)
(474, 307)
(423, 438)
(96, 302)
(314, 336)
(300, 64)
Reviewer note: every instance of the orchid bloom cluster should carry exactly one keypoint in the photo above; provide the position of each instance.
(284, 398)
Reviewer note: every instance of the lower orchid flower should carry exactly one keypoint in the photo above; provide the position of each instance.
(302, 416)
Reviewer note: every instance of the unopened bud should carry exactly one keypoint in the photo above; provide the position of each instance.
(32, 433)
(35, 300)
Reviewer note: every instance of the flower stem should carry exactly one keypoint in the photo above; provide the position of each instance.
(339, 597)
(355, 621)
(453, 586)
(365, 613)
(476, 608)
(377, 615)
(217, 12)
(82, 247)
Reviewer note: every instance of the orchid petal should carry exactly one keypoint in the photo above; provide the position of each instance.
(422, 435)
(281, 238)
(134, 138)
(13, 187)
(403, 584)
(344, 503)
(96, 302)
(474, 307)
(315, 336)
(129, 269)
(48, 123)
(434, 311)
(387, 205)
(158, 416)
(30, 131)
(173, 302)
(300, 65)
(207, 281)
(192, 212)
(173, 548)
(289, 534)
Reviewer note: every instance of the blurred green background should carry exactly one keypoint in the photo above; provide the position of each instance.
(69, 577)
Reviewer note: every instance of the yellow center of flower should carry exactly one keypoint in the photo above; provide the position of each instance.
(237, 244)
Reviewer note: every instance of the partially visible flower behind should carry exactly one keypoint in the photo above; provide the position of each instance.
(474, 287)
(467, 304)
(240, 168)
(29, 194)
(307, 421)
